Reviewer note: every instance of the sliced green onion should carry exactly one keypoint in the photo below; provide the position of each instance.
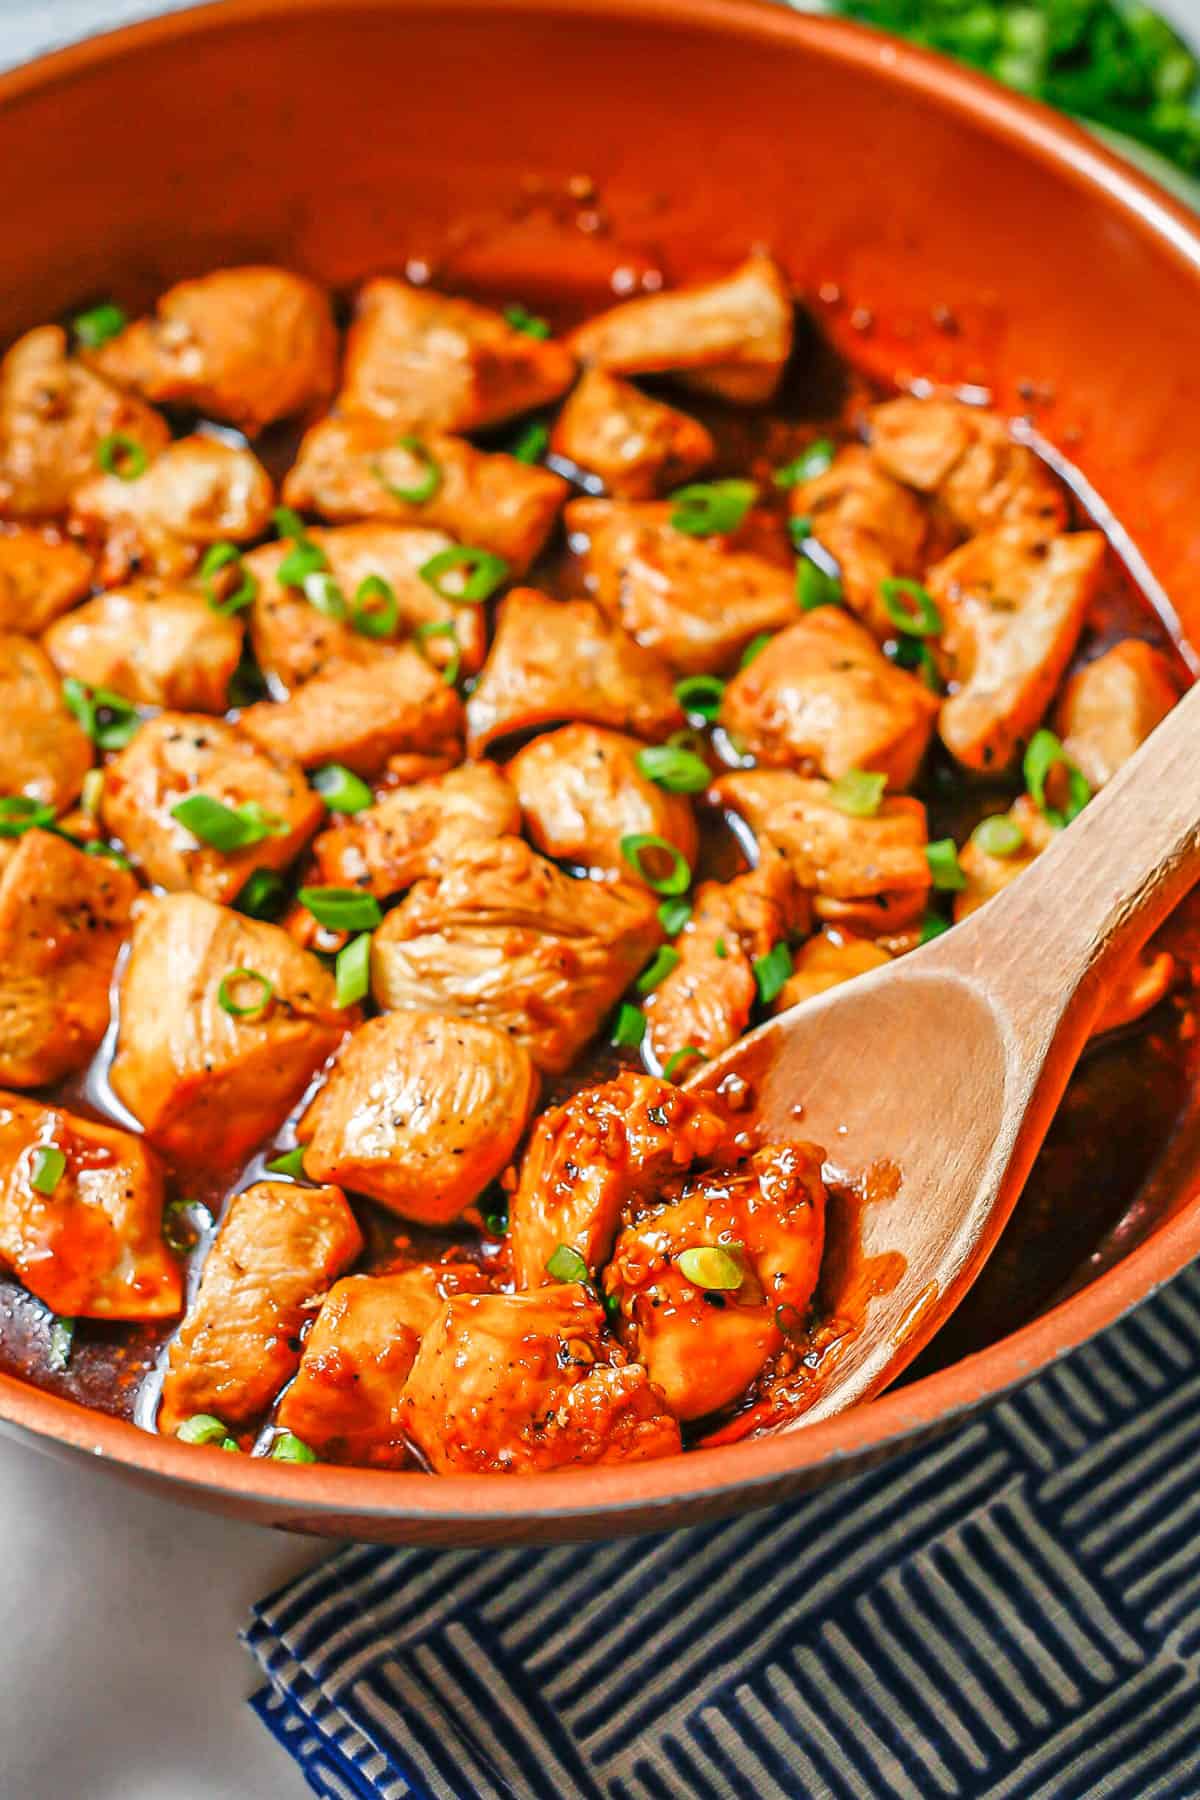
(816, 586)
(109, 720)
(451, 670)
(352, 971)
(224, 827)
(800, 529)
(859, 792)
(376, 611)
(341, 789)
(290, 1163)
(630, 1027)
(289, 1448)
(715, 1267)
(92, 792)
(754, 648)
(999, 836)
(720, 949)
(181, 1227)
(527, 322)
(914, 654)
(932, 926)
(341, 909)
(216, 558)
(260, 895)
(640, 844)
(495, 1218)
(529, 446)
(324, 595)
(812, 461)
(428, 482)
(771, 971)
(673, 915)
(62, 1339)
(566, 1264)
(20, 813)
(701, 695)
(665, 959)
(675, 1063)
(303, 560)
(481, 570)
(944, 867)
(289, 524)
(203, 1428)
(1044, 755)
(49, 1165)
(708, 507)
(612, 1306)
(109, 853)
(910, 607)
(243, 978)
(98, 324)
(673, 768)
(121, 455)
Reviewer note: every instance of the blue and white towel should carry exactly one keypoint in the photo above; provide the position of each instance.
(1012, 1613)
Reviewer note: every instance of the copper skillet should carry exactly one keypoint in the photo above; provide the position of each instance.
(945, 229)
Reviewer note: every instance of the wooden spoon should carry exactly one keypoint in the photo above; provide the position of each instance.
(931, 1083)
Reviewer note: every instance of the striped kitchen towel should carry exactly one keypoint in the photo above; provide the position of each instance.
(1013, 1612)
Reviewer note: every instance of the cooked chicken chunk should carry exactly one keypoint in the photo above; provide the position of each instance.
(635, 445)
(1013, 609)
(92, 1246)
(513, 1384)
(224, 1022)
(562, 659)
(198, 492)
(179, 755)
(822, 697)
(730, 337)
(606, 1148)
(55, 417)
(63, 917)
(1108, 710)
(293, 640)
(412, 831)
(425, 361)
(153, 642)
(825, 962)
(874, 529)
(360, 713)
(504, 937)
(694, 600)
(360, 468)
(279, 1248)
(966, 459)
(702, 1344)
(249, 345)
(43, 752)
(41, 575)
(582, 792)
(420, 1112)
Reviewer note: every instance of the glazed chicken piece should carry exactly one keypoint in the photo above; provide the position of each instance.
(425, 361)
(412, 831)
(41, 575)
(874, 529)
(224, 1022)
(515, 1384)
(179, 755)
(504, 937)
(606, 1149)
(360, 713)
(360, 468)
(293, 640)
(822, 698)
(695, 600)
(248, 345)
(63, 917)
(345, 1402)
(1108, 710)
(826, 961)
(703, 1332)
(730, 337)
(197, 492)
(420, 1112)
(43, 751)
(55, 419)
(635, 445)
(965, 459)
(553, 660)
(705, 1002)
(157, 643)
(581, 793)
(1012, 609)
(279, 1248)
(92, 1246)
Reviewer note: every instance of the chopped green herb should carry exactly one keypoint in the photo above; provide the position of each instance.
(709, 507)
(674, 1063)
(121, 455)
(639, 845)
(718, 1268)
(910, 607)
(303, 560)
(183, 1222)
(256, 990)
(754, 648)
(289, 524)
(341, 789)
(701, 695)
(932, 926)
(812, 461)
(290, 1163)
(62, 1340)
(566, 1264)
(222, 556)
(205, 1428)
(96, 326)
(673, 915)
(495, 1217)
(665, 959)
(521, 320)
(261, 894)
(20, 813)
(49, 1166)
(324, 594)
(859, 792)
(480, 573)
(720, 949)
(915, 655)
(441, 628)
(291, 1449)
(1043, 758)
(816, 586)
(341, 909)
(227, 828)
(427, 483)
(999, 836)
(109, 720)
(800, 529)
(630, 1027)
(376, 610)
(352, 971)
(109, 853)
(771, 971)
(677, 770)
(530, 445)
(944, 867)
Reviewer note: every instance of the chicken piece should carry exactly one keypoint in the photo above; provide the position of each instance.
(825, 962)
(705, 1002)
(581, 793)
(198, 492)
(208, 1083)
(607, 1148)
(823, 698)
(293, 640)
(279, 1248)
(562, 659)
(360, 713)
(1108, 710)
(41, 575)
(1012, 610)
(153, 642)
(249, 345)
(503, 937)
(92, 1247)
(44, 753)
(181, 754)
(54, 417)
(412, 831)
(694, 600)
(63, 917)
(730, 337)
(360, 468)
(874, 529)
(426, 361)
(411, 766)
(966, 459)
(703, 1345)
(420, 1112)
(345, 1400)
(515, 1384)
(635, 445)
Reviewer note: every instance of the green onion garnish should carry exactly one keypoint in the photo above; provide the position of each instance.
(260, 895)
(859, 792)
(62, 1338)
(715, 1267)
(289, 524)
(816, 586)
(701, 695)
(999, 836)
(708, 507)
(910, 607)
(121, 455)
(720, 949)
(341, 789)
(800, 530)
(428, 482)
(1044, 755)
(481, 573)
(324, 595)
(289, 1448)
(109, 720)
(529, 446)
(451, 670)
(754, 648)
(108, 852)
(495, 1217)
(183, 1221)
(49, 1165)
(100, 323)
(527, 322)
(914, 654)
(566, 1264)
(216, 558)
(771, 971)
(630, 1027)
(290, 1163)
(673, 915)
(812, 461)
(376, 610)
(640, 844)
(20, 813)
(665, 959)
(92, 792)
(675, 1063)
(205, 1428)
(303, 560)
(612, 1306)
(352, 971)
(224, 827)
(263, 992)
(341, 909)
(932, 926)
(944, 867)
(672, 767)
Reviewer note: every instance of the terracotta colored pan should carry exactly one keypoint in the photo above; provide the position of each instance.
(956, 233)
